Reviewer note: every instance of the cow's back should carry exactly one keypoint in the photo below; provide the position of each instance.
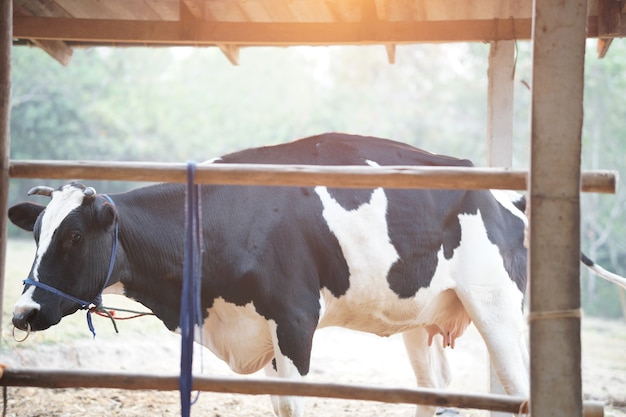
(342, 149)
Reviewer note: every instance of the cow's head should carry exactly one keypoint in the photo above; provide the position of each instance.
(74, 235)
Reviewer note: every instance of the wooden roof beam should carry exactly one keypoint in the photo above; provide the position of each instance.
(171, 33)
(372, 12)
(391, 52)
(156, 33)
(231, 52)
(190, 15)
(57, 49)
(194, 7)
(609, 23)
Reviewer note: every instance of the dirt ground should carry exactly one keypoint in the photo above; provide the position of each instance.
(339, 356)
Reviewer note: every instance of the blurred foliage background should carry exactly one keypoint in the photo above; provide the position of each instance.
(180, 104)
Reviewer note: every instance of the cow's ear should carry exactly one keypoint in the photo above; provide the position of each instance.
(24, 215)
(107, 214)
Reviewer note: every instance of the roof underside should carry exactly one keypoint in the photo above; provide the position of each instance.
(58, 25)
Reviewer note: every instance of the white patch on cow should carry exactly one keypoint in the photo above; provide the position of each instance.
(364, 240)
(481, 258)
(506, 199)
(368, 258)
(61, 204)
(238, 335)
(322, 305)
(372, 163)
(284, 405)
(25, 303)
(117, 289)
(212, 160)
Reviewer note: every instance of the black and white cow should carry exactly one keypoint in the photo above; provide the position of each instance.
(280, 262)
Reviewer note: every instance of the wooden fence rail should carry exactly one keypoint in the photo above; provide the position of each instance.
(46, 378)
(300, 175)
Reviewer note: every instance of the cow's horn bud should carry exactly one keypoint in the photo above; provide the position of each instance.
(90, 191)
(41, 190)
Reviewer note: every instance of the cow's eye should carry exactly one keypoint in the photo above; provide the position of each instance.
(75, 237)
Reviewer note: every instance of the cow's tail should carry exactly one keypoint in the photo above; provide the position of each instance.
(601, 272)
(595, 268)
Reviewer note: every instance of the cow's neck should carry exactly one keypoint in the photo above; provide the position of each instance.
(150, 253)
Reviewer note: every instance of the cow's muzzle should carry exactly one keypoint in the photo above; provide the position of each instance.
(22, 319)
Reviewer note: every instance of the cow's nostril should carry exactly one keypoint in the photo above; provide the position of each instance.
(21, 319)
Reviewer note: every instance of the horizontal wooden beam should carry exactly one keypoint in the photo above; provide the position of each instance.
(71, 29)
(299, 175)
(254, 33)
(96, 379)
(48, 378)
(206, 33)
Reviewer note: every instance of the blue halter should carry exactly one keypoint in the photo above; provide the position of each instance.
(96, 304)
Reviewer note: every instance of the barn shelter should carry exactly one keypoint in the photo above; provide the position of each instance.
(57, 26)
(557, 30)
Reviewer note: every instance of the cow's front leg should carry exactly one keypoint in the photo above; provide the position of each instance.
(284, 406)
(284, 367)
(429, 363)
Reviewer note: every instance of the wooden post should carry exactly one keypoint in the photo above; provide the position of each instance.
(500, 106)
(500, 132)
(559, 32)
(6, 34)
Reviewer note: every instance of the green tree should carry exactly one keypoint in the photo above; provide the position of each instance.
(603, 226)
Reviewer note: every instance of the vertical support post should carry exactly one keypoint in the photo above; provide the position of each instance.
(500, 106)
(558, 35)
(500, 132)
(6, 39)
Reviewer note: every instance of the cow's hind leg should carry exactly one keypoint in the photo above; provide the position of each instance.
(497, 314)
(429, 363)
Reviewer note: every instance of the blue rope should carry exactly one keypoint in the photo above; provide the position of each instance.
(98, 299)
(84, 305)
(190, 306)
